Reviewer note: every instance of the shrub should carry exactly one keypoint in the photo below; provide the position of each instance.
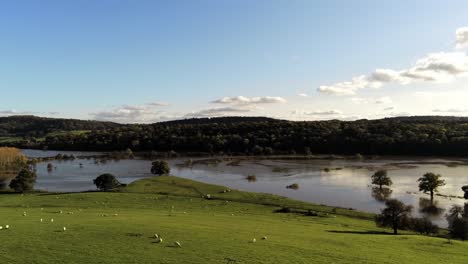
(24, 182)
(251, 178)
(106, 182)
(160, 167)
(293, 186)
(423, 226)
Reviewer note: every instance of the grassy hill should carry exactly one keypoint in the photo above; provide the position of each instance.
(118, 227)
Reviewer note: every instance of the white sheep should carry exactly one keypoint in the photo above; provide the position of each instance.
(156, 236)
(64, 229)
(177, 243)
(254, 240)
(1, 227)
(265, 238)
(41, 220)
(160, 240)
(52, 220)
(7, 227)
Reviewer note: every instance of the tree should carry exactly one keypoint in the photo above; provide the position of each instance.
(429, 182)
(380, 178)
(395, 215)
(106, 182)
(423, 226)
(160, 167)
(457, 219)
(25, 181)
(465, 190)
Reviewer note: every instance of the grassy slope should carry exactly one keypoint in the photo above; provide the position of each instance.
(209, 230)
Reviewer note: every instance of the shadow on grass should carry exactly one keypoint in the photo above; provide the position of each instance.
(359, 232)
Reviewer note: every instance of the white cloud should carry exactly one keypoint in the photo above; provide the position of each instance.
(390, 108)
(449, 110)
(242, 100)
(462, 38)
(12, 112)
(303, 95)
(128, 114)
(383, 100)
(157, 104)
(318, 112)
(379, 100)
(434, 67)
(222, 111)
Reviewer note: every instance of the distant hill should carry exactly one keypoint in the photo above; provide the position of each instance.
(40, 126)
(417, 135)
(429, 119)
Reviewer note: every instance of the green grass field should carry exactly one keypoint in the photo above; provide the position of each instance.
(118, 227)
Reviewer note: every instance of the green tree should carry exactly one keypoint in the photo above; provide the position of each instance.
(457, 219)
(25, 181)
(381, 178)
(160, 167)
(395, 215)
(106, 182)
(429, 182)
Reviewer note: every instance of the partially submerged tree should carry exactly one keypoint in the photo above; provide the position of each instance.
(106, 182)
(465, 190)
(395, 215)
(457, 219)
(381, 178)
(423, 226)
(429, 182)
(25, 181)
(160, 167)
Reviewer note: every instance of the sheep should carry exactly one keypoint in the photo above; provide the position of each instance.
(177, 243)
(41, 220)
(24, 214)
(254, 240)
(160, 240)
(64, 229)
(52, 220)
(1, 227)
(156, 236)
(265, 238)
(7, 227)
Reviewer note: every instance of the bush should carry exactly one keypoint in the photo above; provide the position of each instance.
(24, 182)
(106, 182)
(423, 226)
(251, 178)
(160, 167)
(293, 186)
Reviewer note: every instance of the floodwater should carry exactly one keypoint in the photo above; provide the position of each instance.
(346, 183)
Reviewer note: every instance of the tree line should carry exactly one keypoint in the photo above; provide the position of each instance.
(263, 136)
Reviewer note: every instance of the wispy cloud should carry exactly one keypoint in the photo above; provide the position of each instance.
(378, 100)
(449, 110)
(131, 113)
(462, 38)
(434, 67)
(318, 112)
(213, 112)
(242, 100)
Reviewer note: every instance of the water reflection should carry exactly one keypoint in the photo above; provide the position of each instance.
(430, 208)
(345, 187)
(381, 195)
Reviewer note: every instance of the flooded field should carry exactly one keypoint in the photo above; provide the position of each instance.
(341, 183)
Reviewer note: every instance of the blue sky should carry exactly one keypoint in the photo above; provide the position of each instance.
(145, 61)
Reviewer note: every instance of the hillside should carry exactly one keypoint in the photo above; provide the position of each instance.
(119, 227)
(33, 126)
(427, 135)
